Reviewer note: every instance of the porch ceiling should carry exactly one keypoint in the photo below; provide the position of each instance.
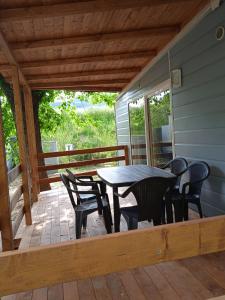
(90, 45)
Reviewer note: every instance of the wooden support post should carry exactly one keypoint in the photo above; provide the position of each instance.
(126, 153)
(32, 145)
(22, 145)
(5, 210)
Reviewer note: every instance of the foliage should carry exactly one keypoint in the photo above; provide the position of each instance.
(50, 118)
(12, 152)
(90, 129)
(160, 109)
(96, 98)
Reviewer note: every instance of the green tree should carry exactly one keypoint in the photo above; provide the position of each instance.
(98, 97)
(160, 109)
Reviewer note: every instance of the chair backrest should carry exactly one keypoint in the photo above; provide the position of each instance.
(73, 178)
(198, 172)
(66, 181)
(178, 166)
(149, 194)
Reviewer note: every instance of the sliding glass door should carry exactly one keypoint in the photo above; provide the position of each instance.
(160, 128)
(137, 131)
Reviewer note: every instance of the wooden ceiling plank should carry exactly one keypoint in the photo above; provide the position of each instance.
(69, 9)
(10, 58)
(99, 37)
(83, 73)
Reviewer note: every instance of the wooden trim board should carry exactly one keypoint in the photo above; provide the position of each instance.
(37, 267)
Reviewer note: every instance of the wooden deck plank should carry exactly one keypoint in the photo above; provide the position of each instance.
(199, 272)
(145, 283)
(132, 288)
(185, 284)
(53, 221)
(165, 289)
(100, 287)
(116, 287)
(86, 290)
(70, 291)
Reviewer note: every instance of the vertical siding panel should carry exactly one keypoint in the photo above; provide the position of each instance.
(199, 105)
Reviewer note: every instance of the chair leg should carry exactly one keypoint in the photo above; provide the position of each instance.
(99, 211)
(132, 223)
(157, 221)
(106, 215)
(169, 211)
(84, 222)
(163, 212)
(79, 219)
(199, 209)
(185, 210)
(107, 199)
(178, 210)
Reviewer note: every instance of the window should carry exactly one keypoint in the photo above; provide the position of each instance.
(137, 131)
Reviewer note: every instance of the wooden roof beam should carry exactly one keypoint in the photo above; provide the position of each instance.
(79, 74)
(80, 7)
(99, 37)
(84, 88)
(10, 57)
(85, 59)
(79, 83)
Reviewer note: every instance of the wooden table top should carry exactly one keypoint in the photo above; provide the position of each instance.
(126, 175)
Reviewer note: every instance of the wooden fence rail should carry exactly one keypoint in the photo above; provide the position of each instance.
(23, 270)
(14, 198)
(91, 162)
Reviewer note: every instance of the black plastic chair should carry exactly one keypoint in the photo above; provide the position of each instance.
(86, 197)
(149, 194)
(85, 208)
(197, 173)
(177, 166)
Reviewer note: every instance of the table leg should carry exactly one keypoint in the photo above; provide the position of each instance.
(116, 207)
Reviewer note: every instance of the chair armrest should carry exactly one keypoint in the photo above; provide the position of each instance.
(185, 185)
(166, 166)
(82, 177)
(118, 195)
(124, 194)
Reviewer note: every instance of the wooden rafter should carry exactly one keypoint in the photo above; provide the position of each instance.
(44, 11)
(10, 57)
(80, 83)
(78, 74)
(84, 88)
(84, 59)
(99, 37)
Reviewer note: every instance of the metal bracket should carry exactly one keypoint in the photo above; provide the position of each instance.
(215, 4)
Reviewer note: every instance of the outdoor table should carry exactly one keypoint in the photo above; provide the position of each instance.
(122, 176)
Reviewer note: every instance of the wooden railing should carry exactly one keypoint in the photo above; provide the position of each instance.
(84, 163)
(14, 198)
(165, 155)
(47, 265)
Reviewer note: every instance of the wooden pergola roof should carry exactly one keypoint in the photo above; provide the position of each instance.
(92, 45)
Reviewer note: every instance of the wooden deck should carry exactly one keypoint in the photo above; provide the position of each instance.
(53, 222)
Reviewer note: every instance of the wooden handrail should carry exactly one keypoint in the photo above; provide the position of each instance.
(47, 265)
(83, 163)
(81, 151)
(76, 164)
